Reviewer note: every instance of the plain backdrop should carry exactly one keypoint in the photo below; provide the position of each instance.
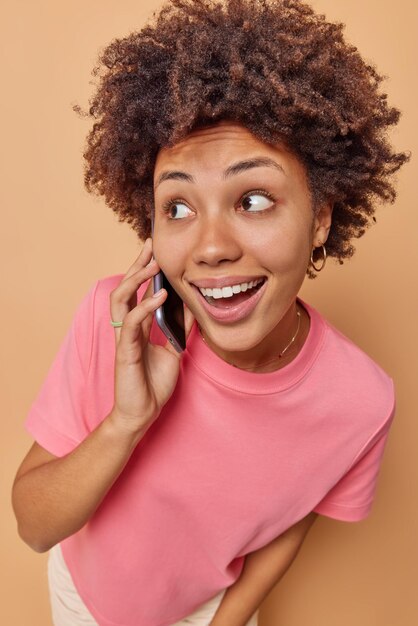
(56, 240)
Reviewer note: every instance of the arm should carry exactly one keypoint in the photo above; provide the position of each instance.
(53, 497)
(261, 572)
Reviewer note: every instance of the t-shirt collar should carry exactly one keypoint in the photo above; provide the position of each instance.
(255, 382)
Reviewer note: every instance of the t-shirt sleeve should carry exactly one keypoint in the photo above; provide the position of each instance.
(56, 418)
(351, 499)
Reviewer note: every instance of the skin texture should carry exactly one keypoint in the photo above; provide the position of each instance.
(215, 235)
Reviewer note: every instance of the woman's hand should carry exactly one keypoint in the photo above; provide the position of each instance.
(145, 374)
(53, 498)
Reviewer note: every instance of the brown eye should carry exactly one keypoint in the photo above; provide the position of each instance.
(255, 201)
(175, 209)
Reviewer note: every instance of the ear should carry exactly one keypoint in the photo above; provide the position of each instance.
(322, 224)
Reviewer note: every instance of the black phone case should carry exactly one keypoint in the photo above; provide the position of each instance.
(170, 315)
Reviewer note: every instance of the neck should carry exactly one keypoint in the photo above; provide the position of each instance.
(265, 357)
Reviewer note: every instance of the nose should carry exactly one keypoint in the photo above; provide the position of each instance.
(217, 242)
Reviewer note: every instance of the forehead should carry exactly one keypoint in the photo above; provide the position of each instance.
(211, 149)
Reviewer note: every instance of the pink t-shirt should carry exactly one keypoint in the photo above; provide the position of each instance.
(234, 459)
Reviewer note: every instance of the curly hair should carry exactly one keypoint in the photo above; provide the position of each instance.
(276, 67)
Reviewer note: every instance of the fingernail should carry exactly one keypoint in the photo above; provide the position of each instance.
(158, 294)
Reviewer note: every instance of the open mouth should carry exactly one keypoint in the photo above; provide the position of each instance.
(229, 299)
(225, 306)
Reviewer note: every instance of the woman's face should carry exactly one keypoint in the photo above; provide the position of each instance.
(231, 209)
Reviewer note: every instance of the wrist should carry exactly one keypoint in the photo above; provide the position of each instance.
(124, 430)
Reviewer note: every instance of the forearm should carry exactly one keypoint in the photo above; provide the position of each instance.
(55, 500)
(261, 572)
(244, 597)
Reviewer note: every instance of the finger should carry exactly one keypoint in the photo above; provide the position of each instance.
(134, 331)
(124, 298)
(147, 323)
(125, 285)
(142, 260)
(149, 291)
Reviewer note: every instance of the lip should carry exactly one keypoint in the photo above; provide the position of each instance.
(225, 281)
(234, 313)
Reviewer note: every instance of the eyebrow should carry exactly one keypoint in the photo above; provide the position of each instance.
(243, 166)
(232, 170)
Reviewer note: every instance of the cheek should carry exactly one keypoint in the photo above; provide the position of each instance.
(169, 254)
(283, 249)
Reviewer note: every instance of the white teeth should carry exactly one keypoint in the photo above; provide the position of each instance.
(227, 292)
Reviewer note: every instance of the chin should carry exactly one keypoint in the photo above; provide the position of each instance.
(233, 339)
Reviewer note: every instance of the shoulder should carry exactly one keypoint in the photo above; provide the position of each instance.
(349, 357)
(352, 376)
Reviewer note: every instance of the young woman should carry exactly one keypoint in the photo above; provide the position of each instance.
(177, 488)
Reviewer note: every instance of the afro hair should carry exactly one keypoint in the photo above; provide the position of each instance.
(276, 67)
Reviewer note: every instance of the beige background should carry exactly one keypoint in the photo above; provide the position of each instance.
(56, 241)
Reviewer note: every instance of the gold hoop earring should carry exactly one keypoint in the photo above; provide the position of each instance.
(324, 258)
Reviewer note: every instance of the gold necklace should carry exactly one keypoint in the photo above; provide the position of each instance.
(275, 357)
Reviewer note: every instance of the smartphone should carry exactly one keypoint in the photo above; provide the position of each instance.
(170, 315)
